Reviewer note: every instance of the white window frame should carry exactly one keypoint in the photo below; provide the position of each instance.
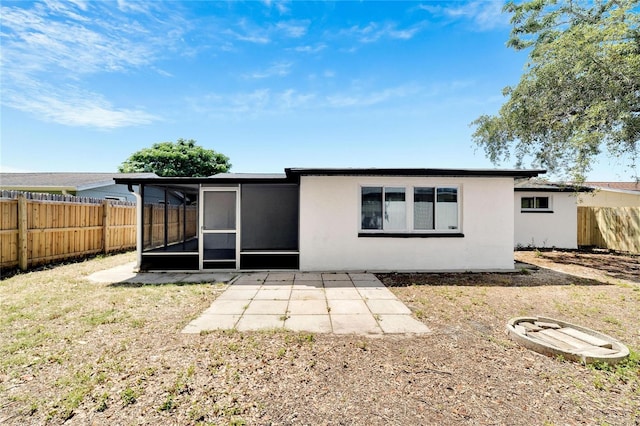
(534, 209)
(409, 206)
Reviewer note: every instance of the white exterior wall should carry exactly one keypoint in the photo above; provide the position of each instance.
(557, 229)
(330, 222)
(604, 198)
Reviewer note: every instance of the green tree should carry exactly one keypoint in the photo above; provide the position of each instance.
(580, 92)
(182, 158)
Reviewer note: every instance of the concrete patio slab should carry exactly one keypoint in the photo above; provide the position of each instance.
(340, 303)
(314, 302)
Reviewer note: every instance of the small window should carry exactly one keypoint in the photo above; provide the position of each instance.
(535, 203)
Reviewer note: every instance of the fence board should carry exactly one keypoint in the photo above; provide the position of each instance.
(614, 228)
(61, 227)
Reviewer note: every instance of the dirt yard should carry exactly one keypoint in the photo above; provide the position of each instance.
(79, 353)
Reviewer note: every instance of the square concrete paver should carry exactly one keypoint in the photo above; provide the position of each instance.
(401, 324)
(227, 307)
(376, 293)
(370, 283)
(387, 306)
(335, 276)
(236, 294)
(362, 277)
(260, 322)
(308, 276)
(308, 285)
(308, 307)
(354, 324)
(212, 322)
(342, 294)
(338, 284)
(267, 307)
(312, 323)
(308, 294)
(281, 276)
(347, 307)
(272, 294)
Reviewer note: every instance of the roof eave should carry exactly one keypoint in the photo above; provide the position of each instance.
(413, 172)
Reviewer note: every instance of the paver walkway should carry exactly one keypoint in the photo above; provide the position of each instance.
(337, 303)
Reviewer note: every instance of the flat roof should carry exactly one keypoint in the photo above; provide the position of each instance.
(515, 173)
(293, 174)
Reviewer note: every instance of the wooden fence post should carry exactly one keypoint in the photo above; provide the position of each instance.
(23, 232)
(106, 207)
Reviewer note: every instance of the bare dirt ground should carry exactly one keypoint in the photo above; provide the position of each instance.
(74, 352)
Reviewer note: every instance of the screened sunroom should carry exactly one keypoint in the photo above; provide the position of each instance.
(228, 222)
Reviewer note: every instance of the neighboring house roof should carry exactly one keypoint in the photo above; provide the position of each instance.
(626, 187)
(63, 181)
(538, 185)
(293, 174)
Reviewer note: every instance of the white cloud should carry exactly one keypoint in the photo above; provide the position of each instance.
(56, 44)
(486, 15)
(281, 6)
(278, 69)
(375, 31)
(293, 29)
(359, 99)
(73, 106)
(268, 102)
(310, 48)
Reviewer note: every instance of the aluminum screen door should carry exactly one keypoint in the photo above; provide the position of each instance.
(219, 229)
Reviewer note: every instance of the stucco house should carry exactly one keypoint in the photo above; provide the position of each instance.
(546, 214)
(313, 219)
(91, 185)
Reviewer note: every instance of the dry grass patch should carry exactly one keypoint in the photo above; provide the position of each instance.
(76, 352)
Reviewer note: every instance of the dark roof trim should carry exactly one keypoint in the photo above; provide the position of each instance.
(555, 189)
(515, 173)
(206, 180)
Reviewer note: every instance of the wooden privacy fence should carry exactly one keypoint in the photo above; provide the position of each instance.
(615, 228)
(182, 224)
(39, 231)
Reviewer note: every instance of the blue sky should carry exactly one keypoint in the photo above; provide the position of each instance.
(269, 84)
